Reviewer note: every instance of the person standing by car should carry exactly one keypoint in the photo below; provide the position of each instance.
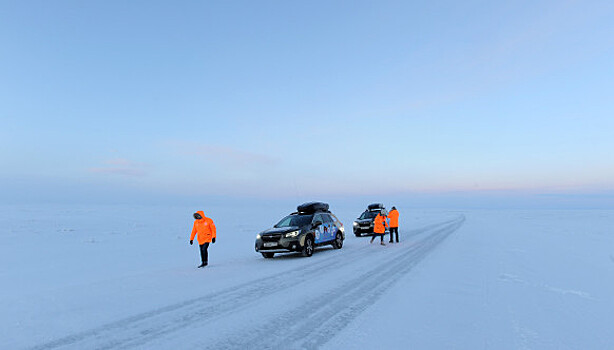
(393, 215)
(205, 228)
(379, 227)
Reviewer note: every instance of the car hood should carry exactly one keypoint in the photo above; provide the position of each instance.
(275, 230)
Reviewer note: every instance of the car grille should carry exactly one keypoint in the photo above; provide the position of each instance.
(271, 238)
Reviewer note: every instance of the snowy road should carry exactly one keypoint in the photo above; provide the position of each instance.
(302, 307)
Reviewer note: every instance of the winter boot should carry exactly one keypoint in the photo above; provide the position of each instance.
(202, 265)
(382, 243)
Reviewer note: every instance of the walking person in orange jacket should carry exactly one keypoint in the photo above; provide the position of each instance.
(379, 227)
(205, 228)
(393, 215)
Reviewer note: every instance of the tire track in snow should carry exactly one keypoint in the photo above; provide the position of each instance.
(311, 325)
(148, 326)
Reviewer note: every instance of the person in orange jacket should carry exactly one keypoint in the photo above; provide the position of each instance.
(379, 227)
(393, 215)
(205, 228)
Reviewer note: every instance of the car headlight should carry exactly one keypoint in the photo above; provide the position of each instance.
(258, 236)
(355, 223)
(291, 234)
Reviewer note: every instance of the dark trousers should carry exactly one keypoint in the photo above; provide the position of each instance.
(204, 255)
(381, 235)
(396, 231)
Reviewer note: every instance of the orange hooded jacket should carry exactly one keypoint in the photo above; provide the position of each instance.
(205, 229)
(379, 224)
(393, 215)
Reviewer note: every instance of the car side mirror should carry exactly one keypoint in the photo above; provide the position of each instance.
(317, 223)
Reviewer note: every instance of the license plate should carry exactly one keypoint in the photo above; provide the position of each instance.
(270, 244)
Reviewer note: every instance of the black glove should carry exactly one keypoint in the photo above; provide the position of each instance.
(191, 242)
(213, 240)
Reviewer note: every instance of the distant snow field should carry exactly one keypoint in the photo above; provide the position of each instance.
(119, 277)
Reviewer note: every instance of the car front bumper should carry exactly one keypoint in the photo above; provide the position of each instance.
(283, 244)
(363, 229)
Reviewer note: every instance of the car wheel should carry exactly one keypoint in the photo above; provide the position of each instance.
(308, 247)
(338, 242)
(268, 255)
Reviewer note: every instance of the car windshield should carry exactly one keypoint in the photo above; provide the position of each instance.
(295, 220)
(368, 215)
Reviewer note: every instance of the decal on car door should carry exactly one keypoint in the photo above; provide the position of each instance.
(322, 233)
(327, 231)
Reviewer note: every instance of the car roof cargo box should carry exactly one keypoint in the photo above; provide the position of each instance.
(375, 206)
(312, 207)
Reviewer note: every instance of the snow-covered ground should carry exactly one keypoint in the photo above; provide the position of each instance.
(120, 277)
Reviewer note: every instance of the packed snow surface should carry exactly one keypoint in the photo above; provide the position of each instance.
(119, 277)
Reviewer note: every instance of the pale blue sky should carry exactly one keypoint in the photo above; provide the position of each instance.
(310, 98)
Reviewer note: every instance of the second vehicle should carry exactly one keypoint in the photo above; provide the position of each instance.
(364, 223)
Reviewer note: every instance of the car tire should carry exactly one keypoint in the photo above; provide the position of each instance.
(338, 242)
(268, 255)
(308, 247)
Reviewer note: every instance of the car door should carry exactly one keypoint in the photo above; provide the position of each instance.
(330, 227)
(319, 231)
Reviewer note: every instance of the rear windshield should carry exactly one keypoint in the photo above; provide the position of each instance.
(368, 215)
(295, 220)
